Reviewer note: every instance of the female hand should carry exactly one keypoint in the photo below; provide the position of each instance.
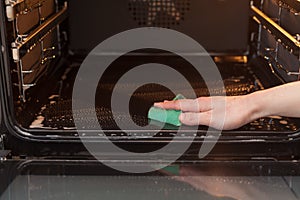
(213, 111)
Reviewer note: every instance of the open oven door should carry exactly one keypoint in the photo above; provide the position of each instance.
(37, 179)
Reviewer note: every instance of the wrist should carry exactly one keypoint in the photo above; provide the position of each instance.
(257, 106)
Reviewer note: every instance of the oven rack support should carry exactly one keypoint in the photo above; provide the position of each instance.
(15, 7)
(24, 45)
(20, 48)
(283, 37)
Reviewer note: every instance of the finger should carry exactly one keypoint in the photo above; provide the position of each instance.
(183, 104)
(194, 119)
(187, 105)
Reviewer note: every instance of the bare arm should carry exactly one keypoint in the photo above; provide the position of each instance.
(283, 100)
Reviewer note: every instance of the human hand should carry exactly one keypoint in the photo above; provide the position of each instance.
(213, 111)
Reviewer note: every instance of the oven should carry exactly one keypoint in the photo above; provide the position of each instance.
(254, 44)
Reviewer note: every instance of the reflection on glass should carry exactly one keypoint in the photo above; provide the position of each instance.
(147, 187)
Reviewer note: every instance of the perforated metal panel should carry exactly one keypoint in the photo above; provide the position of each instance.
(214, 23)
(163, 13)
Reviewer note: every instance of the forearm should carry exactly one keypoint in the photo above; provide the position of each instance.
(283, 100)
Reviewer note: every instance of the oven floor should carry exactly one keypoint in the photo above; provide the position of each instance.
(51, 108)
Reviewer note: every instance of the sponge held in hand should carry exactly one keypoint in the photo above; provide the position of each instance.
(166, 116)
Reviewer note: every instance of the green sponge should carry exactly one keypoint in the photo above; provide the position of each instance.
(166, 116)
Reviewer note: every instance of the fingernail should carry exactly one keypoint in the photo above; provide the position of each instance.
(157, 104)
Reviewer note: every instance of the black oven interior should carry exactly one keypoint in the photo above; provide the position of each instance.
(47, 40)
